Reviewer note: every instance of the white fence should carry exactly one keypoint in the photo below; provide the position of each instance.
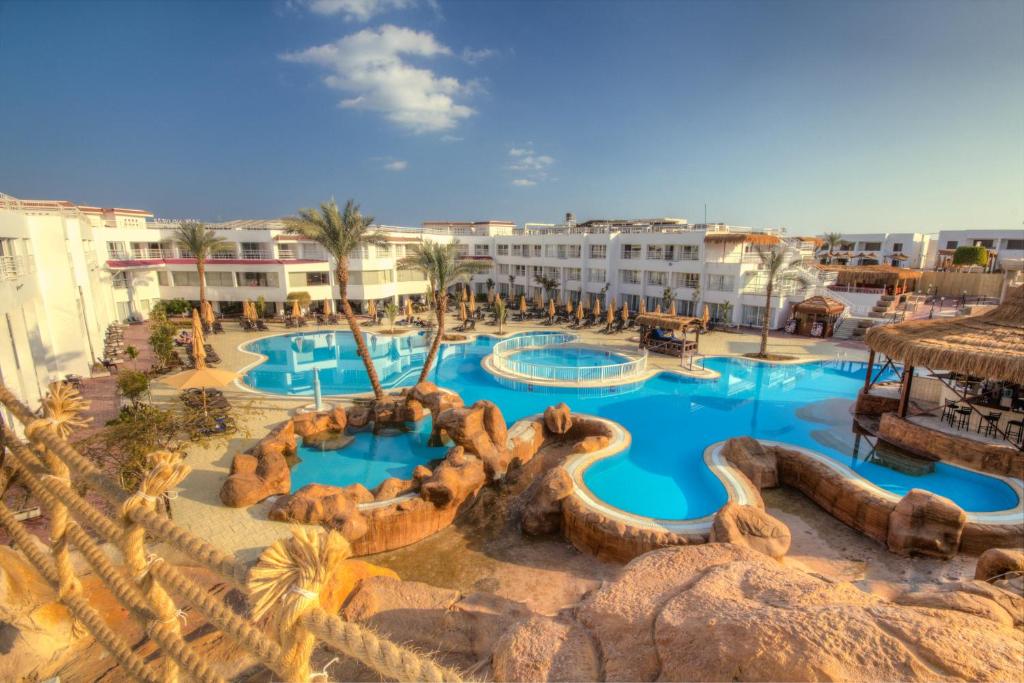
(503, 357)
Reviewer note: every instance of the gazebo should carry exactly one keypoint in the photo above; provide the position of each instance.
(979, 358)
(652, 337)
(817, 315)
(892, 280)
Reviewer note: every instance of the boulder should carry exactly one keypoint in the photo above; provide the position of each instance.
(420, 474)
(758, 463)
(414, 411)
(558, 419)
(392, 487)
(998, 562)
(543, 514)
(459, 476)
(346, 578)
(339, 418)
(386, 412)
(255, 478)
(328, 506)
(357, 493)
(924, 523)
(525, 439)
(434, 399)
(971, 597)
(309, 423)
(750, 527)
(328, 440)
(359, 416)
(479, 429)
(545, 649)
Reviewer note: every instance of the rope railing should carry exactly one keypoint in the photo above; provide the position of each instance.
(285, 621)
(505, 357)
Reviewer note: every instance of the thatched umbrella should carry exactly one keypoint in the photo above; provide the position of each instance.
(657, 309)
(247, 310)
(597, 306)
(408, 309)
(625, 312)
(472, 306)
(610, 316)
(672, 307)
(611, 306)
(551, 309)
(328, 306)
(706, 316)
(569, 307)
(296, 311)
(579, 313)
(208, 316)
(643, 305)
(371, 309)
(522, 304)
(539, 301)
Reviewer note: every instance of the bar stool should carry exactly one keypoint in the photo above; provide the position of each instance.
(989, 422)
(1015, 430)
(963, 418)
(948, 410)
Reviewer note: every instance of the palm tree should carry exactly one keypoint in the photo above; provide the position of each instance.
(548, 284)
(441, 265)
(201, 242)
(500, 312)
(341, 233)
(777, 271)
(832, 240)
(391, 313)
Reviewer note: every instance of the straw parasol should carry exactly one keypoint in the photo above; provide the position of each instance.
(657, 308)
(706, 316)
(371, 308)
(551, 308)
(672, 307)
(989, 345)
(472, 305)
(247, 310)
(522, 304)
(643, 305)
(611, 315)
(579, 313)
(667, 322)
(625, 312)
(597, 306)
(539, 301)
(208, 316)
(464, 296)
(296, 312)
(611, 306)
(462, 312)
(328, 306)
(198, 342)
(569, 307)
(408, 309)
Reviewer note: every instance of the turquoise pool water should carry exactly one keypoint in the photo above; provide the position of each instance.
(671, 418)
(569, 356)
(368, 460)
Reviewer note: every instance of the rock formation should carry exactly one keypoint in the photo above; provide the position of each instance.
(748, 526)
(264, 471)
(557, 419)
(543, 514)
(329, 506)
(997, 563)
(924, 523)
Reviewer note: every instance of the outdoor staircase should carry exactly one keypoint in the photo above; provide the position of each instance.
(884, 307)
(854, 326)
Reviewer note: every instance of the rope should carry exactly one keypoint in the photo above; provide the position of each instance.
(77, 605)
(168, 471)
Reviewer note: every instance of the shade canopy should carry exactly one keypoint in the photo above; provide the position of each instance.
(522, 303)
(597, 307)
(988, 345)
(871, 275)
(296, 311)
(820, 305)
(668, 322)
(200, 378)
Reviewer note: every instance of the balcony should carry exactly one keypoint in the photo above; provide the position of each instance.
(14, 267)
(217, 255)
(256, 255)
(145, 253)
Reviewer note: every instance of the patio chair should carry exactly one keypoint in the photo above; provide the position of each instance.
(218, 328)
(989, 423)
(262, 326)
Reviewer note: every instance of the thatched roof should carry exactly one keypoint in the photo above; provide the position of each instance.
(758, 238)
(820, 304)
(989, 345)
(668, 322)
(880, 274)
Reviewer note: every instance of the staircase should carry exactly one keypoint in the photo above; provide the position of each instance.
(884, 307)
(854, 326)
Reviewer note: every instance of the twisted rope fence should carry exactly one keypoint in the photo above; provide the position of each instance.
(285, 620)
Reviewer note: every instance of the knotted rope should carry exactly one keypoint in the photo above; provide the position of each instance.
(167, 472)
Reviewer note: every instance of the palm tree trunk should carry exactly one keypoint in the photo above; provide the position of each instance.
(201, 267)
(442, 306)
(357, 330)
(764, 323)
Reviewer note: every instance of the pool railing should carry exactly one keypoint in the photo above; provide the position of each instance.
(503, 358)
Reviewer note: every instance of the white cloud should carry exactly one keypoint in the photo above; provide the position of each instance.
(524, 182)
(531, 166)
(370, 65)
(451, 138)
(357, 10)
(397, 165)
(473, 56)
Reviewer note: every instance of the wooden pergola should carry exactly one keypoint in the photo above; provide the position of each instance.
(817, 309)
(892, 279)
(650, 323)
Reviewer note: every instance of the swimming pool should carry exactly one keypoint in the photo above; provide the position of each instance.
(569, 356)
(671, 418)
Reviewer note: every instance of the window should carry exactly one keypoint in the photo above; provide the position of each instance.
(1015, 245)
(598, 250)
(536, 250)
(409, 275)
(988, 244)
(686, 307)
(517, 249)
(257, 280)
(220, 279)
(872, 246)
(370, 277)
(689, 252)
(897, 246)
(502, 250)
(399, 251)
(550, 250)
(321, 277)
(481, 250)
(161, 278)
(119, 280)
(753, 316)
(520, 271)
(597, 275)
(690, 280)
(572, 273)
(502, 269)
(721, 283)
(951, 244)
(254, 250)
(116, 250)
(185, 278)
(631, 251)
(655, 277)
(575, 250)
(630, 277)
(655, 251)
(383, 250)
(462, 250)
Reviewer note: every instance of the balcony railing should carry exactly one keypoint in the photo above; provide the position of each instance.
(256, 254)
(218, 255)
(13, 267)
(139, 253)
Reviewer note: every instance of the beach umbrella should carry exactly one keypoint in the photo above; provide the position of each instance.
(539, 301)
(579, 313)
(706, 317)
(472, 305)
(245, 309)
(522, 304)
(408, 309)
(643, 305)
(568, 307)
(657, 308)
(198, 342)
(208, 316)
(597, 307)
(625, 312)
(551, 308)
(328, 306)
(371, 308)
(611, 315)
(672, 307)
(318, 399)
(462, 312)
(296, 313)
(611, 306)
(465, 294)
(201, 377)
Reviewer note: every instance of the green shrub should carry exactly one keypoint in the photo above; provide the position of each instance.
(132, 385)
(970, 256)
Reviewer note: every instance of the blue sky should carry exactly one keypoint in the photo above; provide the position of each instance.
(853, 116)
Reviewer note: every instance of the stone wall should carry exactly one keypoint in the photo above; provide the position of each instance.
(1005, 461)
